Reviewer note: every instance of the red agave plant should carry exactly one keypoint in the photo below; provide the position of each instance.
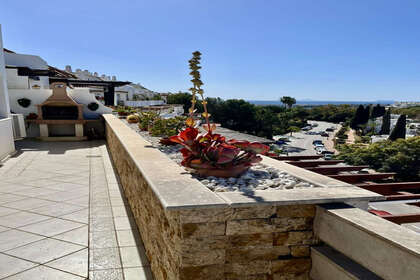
(210, 154)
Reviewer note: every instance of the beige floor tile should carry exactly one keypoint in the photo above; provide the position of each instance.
(3, 228)
(44, 250)
(35, 192)
(11, 265)
(63, 186)
(38, 182)
(124, 223)
(101, 224)
(9, 198)
(14, 238)
(82, 201)
(105, 258)
(76, 263)
(27, 204)
(122, 211)
(15, 189)
(44, 273)
(21, 219)
(57, 196)
(118, 202)
(138, 273)
(81, 216)
(133, 256)
(128, 238)
(7, 211)
(111, 274)
(56, 209)
(79, 236)
(51, 227)
(102, 239)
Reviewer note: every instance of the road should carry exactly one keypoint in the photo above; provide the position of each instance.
(301, 143)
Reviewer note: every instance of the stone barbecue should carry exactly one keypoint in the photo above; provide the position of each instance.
(60, 110)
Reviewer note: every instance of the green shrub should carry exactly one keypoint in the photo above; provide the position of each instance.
(147, 119)
(401, 156)
(167, 127)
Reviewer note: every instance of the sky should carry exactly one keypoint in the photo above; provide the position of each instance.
(359, 50)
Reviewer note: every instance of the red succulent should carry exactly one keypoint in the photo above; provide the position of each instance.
(212, 152)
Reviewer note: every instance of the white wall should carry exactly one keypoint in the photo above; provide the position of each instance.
(16, 82)
(38, 96)
(43, 82)
(83, 96)
(7, 144)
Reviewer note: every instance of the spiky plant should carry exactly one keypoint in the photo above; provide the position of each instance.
(196, 89)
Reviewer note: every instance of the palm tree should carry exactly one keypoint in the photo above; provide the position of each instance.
(288, 100)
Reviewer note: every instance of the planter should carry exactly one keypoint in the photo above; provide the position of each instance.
(222, 173)
(132, 120)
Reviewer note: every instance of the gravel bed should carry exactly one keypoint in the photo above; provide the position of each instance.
(258, 177)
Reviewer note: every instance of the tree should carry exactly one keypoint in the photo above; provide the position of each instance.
(289, 101)
(366, 114)
(401, 156)
(377, 111)
(293, 129)
(386, 123)
(358, 117)
(183, 98)
(399, 129)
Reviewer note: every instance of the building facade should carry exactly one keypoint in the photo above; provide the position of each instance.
(7, 145)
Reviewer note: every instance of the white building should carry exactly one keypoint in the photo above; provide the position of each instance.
(7, 145)
(130, 92)
(405, 104)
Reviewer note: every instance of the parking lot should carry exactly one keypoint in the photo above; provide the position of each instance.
(301, 142)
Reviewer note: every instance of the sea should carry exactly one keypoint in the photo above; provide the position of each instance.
(311, 103)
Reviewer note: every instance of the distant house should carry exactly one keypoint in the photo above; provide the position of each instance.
(128, 92)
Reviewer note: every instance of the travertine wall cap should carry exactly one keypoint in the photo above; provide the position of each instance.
(300, 196)
(174, 187)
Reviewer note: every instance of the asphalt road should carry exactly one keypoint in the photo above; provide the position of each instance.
(301, 143)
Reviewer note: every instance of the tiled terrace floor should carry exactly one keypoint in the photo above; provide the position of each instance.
(63, 216)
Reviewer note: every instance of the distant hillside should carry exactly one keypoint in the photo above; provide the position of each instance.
(320, 102)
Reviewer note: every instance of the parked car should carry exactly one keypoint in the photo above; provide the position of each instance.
(328, 156)
(314, 124)
(306, 128)
(316, 142)
(280, 142)
(330, 129)
(318, 145)
(320, 150)
(324, 134)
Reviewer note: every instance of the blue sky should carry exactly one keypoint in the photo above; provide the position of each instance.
(259, 50)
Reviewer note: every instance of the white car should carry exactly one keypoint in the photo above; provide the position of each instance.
(318, 145)
(319, 151)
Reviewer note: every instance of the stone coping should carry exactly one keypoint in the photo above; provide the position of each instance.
(176, 189)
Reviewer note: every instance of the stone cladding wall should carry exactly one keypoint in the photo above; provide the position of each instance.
(247, 243)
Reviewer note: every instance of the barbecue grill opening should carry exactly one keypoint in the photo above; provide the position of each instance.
(59, 112)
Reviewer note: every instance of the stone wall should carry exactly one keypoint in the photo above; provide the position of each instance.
(252, 242)
(258, 242)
